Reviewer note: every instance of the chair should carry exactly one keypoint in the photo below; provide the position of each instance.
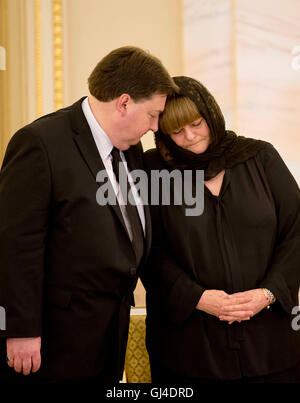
(137, 366)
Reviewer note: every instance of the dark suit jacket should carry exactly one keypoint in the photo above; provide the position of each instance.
(67, 269)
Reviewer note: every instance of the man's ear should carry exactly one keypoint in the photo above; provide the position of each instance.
(122, 103)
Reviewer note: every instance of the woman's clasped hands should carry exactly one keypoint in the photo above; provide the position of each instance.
(233, 307)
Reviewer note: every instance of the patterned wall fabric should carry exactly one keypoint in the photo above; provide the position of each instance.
(137, 367)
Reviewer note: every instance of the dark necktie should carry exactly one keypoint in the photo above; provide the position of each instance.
(132, 213)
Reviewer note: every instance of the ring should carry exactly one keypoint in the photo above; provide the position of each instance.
(9, 359)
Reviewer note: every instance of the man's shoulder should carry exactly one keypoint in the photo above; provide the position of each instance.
(53, 119)
(49, 129)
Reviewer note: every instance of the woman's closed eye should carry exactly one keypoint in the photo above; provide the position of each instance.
(178, 131)
(197, 122)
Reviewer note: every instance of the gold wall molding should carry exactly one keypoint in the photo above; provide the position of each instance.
(4, 92)
(38, 58)
(13, 83)
(58, 54)
(46, 13)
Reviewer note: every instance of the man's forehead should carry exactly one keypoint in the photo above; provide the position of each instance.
(157, 102)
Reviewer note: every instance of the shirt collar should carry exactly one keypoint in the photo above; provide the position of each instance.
(102, 140)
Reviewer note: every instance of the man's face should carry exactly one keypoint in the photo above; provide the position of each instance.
(140, 117)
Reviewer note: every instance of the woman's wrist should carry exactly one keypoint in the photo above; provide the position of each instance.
(269, 296)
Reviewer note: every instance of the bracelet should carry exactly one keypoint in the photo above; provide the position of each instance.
(270, 296)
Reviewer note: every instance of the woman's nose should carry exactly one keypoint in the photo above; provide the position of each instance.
(189, 134)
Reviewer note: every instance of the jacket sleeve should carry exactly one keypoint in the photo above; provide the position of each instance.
(283, 277)
(169, 286)
(24, 206)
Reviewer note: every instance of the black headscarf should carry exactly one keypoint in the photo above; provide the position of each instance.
(226, 148)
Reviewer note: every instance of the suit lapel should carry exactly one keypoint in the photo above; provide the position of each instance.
(88, 149)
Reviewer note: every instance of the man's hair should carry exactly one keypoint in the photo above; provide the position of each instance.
(130, 70)
(179, 111)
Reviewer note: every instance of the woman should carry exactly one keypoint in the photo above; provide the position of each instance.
(211, 278)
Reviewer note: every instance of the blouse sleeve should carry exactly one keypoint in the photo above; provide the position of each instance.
(283, 277)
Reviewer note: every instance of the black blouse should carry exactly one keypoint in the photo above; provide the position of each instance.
(247, 237)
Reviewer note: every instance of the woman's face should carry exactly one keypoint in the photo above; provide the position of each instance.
(194, 137)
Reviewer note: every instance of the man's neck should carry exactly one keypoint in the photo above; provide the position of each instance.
(102, 112)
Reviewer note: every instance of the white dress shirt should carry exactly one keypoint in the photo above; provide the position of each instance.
(105, 147)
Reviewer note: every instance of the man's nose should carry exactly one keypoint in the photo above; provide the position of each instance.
(154, 125)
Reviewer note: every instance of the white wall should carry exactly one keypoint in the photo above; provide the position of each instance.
(247, 53)
(95, 27)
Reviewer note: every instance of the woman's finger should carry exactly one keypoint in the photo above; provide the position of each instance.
(236, 309)
(237, 300)
(242, 316)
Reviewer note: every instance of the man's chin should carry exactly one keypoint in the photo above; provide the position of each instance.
(134, 142)
(130, 143)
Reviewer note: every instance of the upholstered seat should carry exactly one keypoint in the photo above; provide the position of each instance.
(137, 367)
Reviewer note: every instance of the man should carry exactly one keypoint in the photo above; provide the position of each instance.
(68, 265)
